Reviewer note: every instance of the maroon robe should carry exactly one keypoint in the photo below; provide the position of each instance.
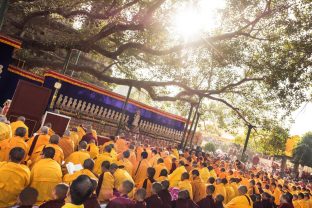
(120, 202)
(184, 203)
(92, 202)
(154, 201)
(141, 204)
(88, 137)
(166, 198)
(257, 204)
(286, 205)
(53, 204)
(207, 202)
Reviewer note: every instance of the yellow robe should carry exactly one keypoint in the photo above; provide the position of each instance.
(68, 178)
(106, 190)
(230, 193)
(121, 145)
(153, 160)
(67, 145)
(186, 185)
(240, 202)
(42, 140)
(93, 150)
(199, 189)
(100, 159)
(235, 188)
(213, 173)
(78, 157)
(120, 176)
(81, 132)
(58, 157)
(8, 144)
(18, 124)
(296, 204)
(69, 205)
(303, 203)
(45, 175)
(128, 165)
(5, 131)
(158, 168)
(140, 171)
(75, 138)
(161, 178)
(277, 194)
(220, 189)
(204, 174)
(14, 178)
(175, 176)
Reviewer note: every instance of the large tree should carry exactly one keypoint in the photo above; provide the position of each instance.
(256, 60)
(303, 152)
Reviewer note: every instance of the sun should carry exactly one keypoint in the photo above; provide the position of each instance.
(191, 20)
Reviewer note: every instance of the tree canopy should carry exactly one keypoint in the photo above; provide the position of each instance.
(303, 152)
(256, 60)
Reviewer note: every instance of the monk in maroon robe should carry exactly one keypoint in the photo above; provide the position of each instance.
(208, 201)
(165, 195)
(59, 194)
(122, 201)
(154, 201)
(184, 201)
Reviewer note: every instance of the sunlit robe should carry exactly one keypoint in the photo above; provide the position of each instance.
(161, 178)
(99, 160)
(204, 174)
(230, 193)
(140, 171)
(5, 131)
(120, 176)
(18, 124)
(240, 202)
(106, 189)
(13, 179)
(8, 144)
(277, 194)
(235, 188)
(78, 157)
(121, 145)
(58, 157)
(213, 173)
(220, 189)
(175, 176)
(199, 189)
(42, 140)
(303, 203)
(68, 178)
(67, 145)
(45, 175)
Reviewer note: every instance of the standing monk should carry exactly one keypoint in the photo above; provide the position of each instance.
(14, 178)
(45, 175)
(67, 144)
(140, 169)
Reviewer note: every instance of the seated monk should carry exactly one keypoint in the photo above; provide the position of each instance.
(50, 131)
(121, 145)
(93, 149)
(79, 192)
(16, 141)
(14, 177)
(198, 186)
(124, 161)
(58, 197)
(241, 201)
(45, 175)
(120, 175)
(67, 144)
(53, 142)
(159, 167)
(20, 122)
(27, 198)
(88, 166)
(92, 200)
(175, 176)
(139, 196)
(154, 201)
(122, 201)
(105, 156)
(89, 136)
(39, 140)
(162, 176)
(106, 183)
(285, 201)
(80, 156)
(5, 128)
(185, 184)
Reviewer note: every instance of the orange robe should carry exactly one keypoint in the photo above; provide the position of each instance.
(58, 157)
(140, 171)
(67, 145)
(68, 178)
(18, 124)
(93, 150)
(158, 168)
(106, 189)
(186, 185)
(78, 157)
(100, 159)
(8, 144)
(127, 165)
(199, 189)
(121, 145)
(42, 140)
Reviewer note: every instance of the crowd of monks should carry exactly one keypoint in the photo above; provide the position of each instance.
(124, 173)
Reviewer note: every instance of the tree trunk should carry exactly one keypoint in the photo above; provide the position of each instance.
(296, 168)
(283, 164)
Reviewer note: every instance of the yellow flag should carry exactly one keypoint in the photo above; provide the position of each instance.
(291, 144)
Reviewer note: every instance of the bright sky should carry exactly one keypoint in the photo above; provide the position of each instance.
(303, 120)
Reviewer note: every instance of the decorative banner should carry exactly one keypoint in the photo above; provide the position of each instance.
(291, 144)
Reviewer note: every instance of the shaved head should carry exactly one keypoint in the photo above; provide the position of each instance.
(242, 190)
(21, 118)
(54, 139)
(61, 191)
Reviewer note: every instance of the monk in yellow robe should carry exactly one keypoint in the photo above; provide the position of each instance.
(67, 144)
(198, 186)
(5, 129)
(139, 150)
(204, 172)
(16, 141)
(241, 201)
(175, 177)
(276, 193)
(101, 158)
(125, 162)
(302, 202)
(234, 185)
(120, 175)
(75, 137)
(80, 156)
(88, 166)
(230, 193)
(153, 160)
(50, 130)
(53, 142)
(121, 145)
(39, 140)
(185, 184)
(106, 184)
(81, 132)
(220, 189)
(168, 160)
(20, 122)
(159, 167)
(132, 158)
(141, 168)
(14, 177)
(212, 172)
(93, 149)
(45, 175)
